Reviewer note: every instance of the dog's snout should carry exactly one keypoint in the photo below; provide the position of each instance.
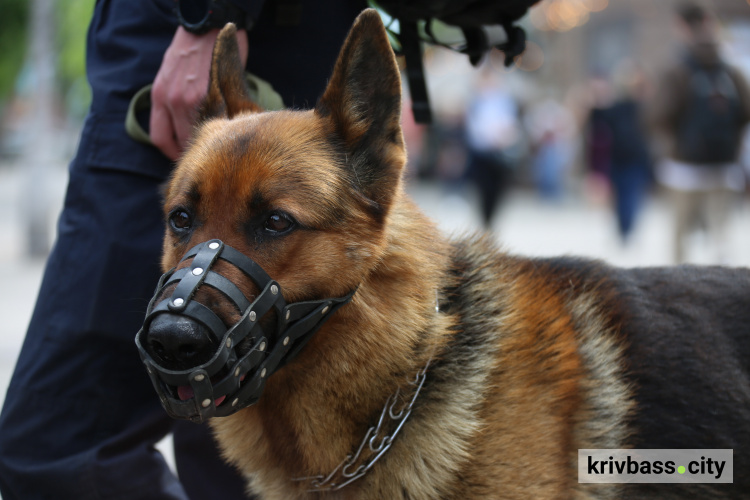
(178, 342)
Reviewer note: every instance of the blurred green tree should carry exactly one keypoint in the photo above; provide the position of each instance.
(71, 24)
(13, 42)
(73, 17)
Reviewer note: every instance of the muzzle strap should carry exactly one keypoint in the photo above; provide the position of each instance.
(191, 280)
(195, 311)
(292, 342)
(229, 289)
(246, 265)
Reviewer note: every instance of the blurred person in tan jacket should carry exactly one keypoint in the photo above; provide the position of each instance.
(701, 108)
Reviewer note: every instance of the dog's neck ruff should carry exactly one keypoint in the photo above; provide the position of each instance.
(232, 379)
(376, 442)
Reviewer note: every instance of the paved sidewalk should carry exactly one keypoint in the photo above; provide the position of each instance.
(20, 275)
(529, 226)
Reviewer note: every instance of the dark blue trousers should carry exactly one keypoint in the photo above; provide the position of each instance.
(630, 183)
(80, 417)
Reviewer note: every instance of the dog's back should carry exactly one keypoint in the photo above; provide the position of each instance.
(687, 332)
(588, 356)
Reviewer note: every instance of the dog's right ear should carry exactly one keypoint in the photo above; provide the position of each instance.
(362, 105)
(227, 91)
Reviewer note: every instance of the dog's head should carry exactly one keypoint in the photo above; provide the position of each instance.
(285, 213)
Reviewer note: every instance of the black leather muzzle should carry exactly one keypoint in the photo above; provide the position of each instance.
(229, 380)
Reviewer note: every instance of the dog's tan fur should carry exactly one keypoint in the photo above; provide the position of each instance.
(528, 360)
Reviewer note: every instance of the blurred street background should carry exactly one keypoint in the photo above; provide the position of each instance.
(548, 198)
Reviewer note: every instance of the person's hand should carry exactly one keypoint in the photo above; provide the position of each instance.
(179, 87)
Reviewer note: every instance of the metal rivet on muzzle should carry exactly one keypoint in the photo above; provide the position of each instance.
(263, 373)
(325, 310)
(197, 271)
(252, 316)
(236, 400)
(229, 342)
(206, 403)
(286, 340)
(274, 289)
(213, 245)
(178, 301)
(199, 377)
(262, 346)
(288, 315)
(237, 372)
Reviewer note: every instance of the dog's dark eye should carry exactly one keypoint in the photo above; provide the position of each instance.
(278, 223)
(180, 220)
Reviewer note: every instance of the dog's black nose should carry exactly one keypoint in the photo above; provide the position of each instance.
(178, 342)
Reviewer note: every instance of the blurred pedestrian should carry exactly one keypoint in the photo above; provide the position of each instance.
(492, 131)
(598, 134)
(620, 146)
(551, 127)
(702, 105)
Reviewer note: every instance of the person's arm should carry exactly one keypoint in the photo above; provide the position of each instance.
(179, 87)
(744, 93)
(668, 100)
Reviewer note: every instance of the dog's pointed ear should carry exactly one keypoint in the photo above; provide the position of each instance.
(227, 90)
(362, 103)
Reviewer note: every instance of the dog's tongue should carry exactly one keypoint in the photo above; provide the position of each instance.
(185, 392)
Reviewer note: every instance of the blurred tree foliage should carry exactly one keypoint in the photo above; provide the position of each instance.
(73, 17)
(13, 23)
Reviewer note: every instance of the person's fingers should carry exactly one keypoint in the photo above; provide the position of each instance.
(161, 128)
(162, 132)
(244, 48)
(183, 119)
(183, 101)
(180, 86)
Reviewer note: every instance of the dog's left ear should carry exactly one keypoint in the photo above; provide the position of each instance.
(227, 91)
(363, 105)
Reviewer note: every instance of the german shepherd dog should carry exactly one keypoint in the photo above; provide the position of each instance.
(349, 351)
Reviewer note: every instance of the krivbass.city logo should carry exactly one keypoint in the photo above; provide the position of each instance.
(655, 466)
